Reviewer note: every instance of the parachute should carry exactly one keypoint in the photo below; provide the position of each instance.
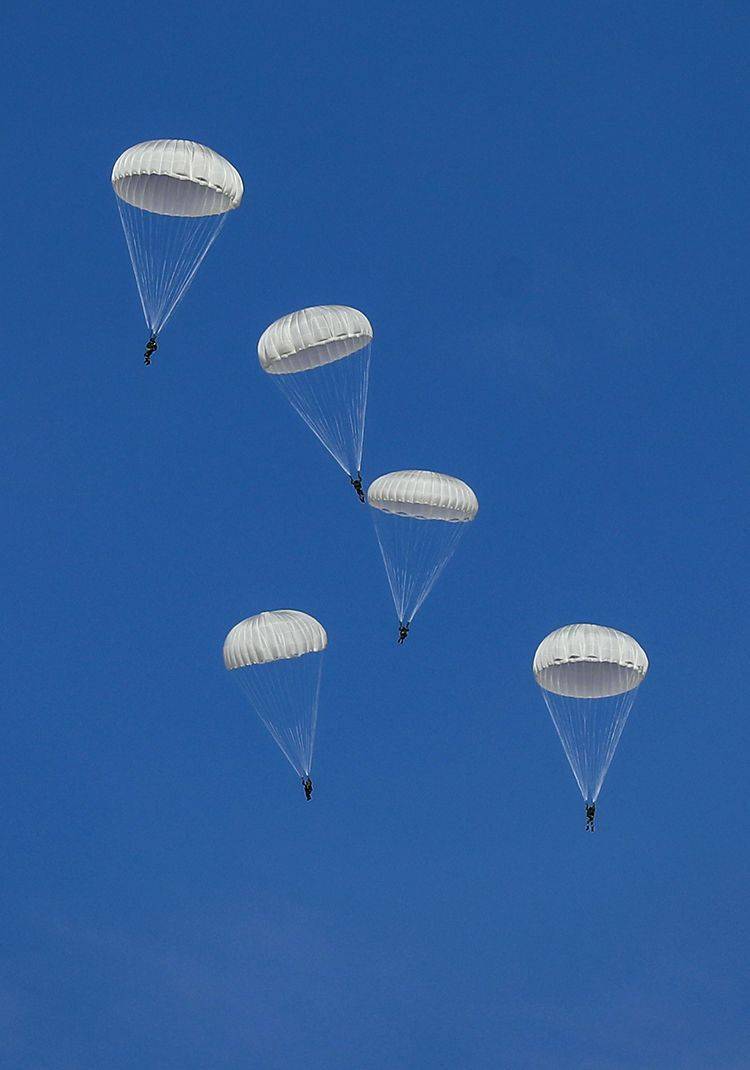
(173, 198)
(320, 359)
(589, 676)
(419, 519)
(277, 658)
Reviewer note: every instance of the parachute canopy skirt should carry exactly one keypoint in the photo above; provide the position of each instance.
(319, 358)
(276, 657)
(589, 676)
(419, 519)
(173, 198)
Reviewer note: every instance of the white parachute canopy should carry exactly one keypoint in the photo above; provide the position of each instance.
(589, 676)
(419, 519)
(320, 359)
(173, 198)
(277, 658)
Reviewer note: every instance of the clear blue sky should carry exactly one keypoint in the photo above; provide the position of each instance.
(544, 213)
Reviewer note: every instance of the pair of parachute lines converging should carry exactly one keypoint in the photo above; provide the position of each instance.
(174, 197)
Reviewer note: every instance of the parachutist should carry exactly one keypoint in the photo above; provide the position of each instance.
(590, 815)
(151, 346)
(307, 784)
(403, 631)
(357, 484)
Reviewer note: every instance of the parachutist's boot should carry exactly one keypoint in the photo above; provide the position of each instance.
(357, 484)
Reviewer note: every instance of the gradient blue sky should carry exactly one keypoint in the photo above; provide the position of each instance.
(544, 213)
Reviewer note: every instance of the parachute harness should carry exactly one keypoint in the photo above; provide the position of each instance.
(357, 484)
(151, 347)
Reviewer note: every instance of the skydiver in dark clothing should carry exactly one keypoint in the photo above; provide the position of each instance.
(151, 347)
(403, 631)
(307, 784)
(357, 484)
(590, 814)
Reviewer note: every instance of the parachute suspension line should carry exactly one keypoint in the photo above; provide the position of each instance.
(285, 696)
(165, 252)
(589, 730)
(414, 552)
(332, 400)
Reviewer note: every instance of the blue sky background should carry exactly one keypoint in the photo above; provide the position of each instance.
(544, 214)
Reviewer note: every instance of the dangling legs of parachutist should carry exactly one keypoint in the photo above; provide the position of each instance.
(151, 347)
(403, 631)
(307, 784)
(357, 484)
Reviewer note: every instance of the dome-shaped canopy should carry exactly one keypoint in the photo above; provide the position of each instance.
(273, 636)
(424, 495)
(313, 337)
(177, 178)
(589, 661)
